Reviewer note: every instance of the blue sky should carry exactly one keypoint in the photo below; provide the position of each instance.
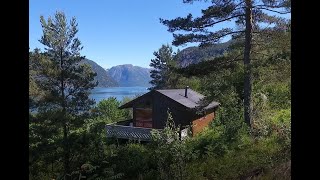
(114, 32)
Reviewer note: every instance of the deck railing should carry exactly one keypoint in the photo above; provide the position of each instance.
(128, 132)
(123, 131)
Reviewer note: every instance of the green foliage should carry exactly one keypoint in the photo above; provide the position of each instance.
(44, 149)
(104, 113)
(170, 152)
(108, 110)
(251, 26)
(279, 96)
(160, 65)
(127, 112)
(99, 172)
(282, 117)
(167, 75)
(229, 150)
(132, 159)
(64, 86)
(238, 161)
(228, 154)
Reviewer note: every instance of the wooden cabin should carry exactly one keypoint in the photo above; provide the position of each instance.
(150, 112)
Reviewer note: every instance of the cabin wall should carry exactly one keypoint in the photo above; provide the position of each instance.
(159, 111)
(202, 122)
(151, 112)
(179, 113)
(142, 113)
(143, 117)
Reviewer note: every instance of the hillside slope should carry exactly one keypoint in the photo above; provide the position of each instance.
(194, 55)
(102, 76)
(128, 75)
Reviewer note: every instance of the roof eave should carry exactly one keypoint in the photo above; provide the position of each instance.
(212, 106)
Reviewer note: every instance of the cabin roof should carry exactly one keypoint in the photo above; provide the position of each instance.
(178, 95)
(191, 101)
(130, 103)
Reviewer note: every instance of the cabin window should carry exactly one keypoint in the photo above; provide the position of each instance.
(143, 117)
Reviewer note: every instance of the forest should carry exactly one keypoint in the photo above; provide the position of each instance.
(250, 137)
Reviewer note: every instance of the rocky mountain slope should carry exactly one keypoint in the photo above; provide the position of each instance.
(129, 75)
(102, 76)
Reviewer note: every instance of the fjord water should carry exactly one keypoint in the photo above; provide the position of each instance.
(100, 93)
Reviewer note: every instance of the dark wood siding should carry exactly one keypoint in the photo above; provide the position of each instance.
(160, 108)
(143, 117)
(161, 104)
(142, 112)
(151, 112)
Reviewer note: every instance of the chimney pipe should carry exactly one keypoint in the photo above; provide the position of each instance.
(186, 92)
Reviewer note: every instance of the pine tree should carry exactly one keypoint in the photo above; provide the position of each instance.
(248, 16)
(159, 73)
(66, 83)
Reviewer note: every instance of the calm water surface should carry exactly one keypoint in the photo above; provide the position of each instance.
(99, 94)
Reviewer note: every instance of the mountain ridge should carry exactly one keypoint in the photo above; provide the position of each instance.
(104, 80)
(129, 75)
(195, 54)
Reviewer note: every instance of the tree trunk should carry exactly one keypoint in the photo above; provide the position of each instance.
(247, 66)
(66, 148)
(66, 162)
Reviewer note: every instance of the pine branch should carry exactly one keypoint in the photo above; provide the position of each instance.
(239, 4)
(256, 52)
(226, 34)
(268, 6)
(228, 12)
(227, 19)
(235, 59)
(274, 10)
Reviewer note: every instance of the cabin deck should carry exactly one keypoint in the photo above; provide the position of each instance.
(125, 130)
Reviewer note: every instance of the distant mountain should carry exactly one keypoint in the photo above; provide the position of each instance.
(129, 75)
(102, 76)
(194, 55)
